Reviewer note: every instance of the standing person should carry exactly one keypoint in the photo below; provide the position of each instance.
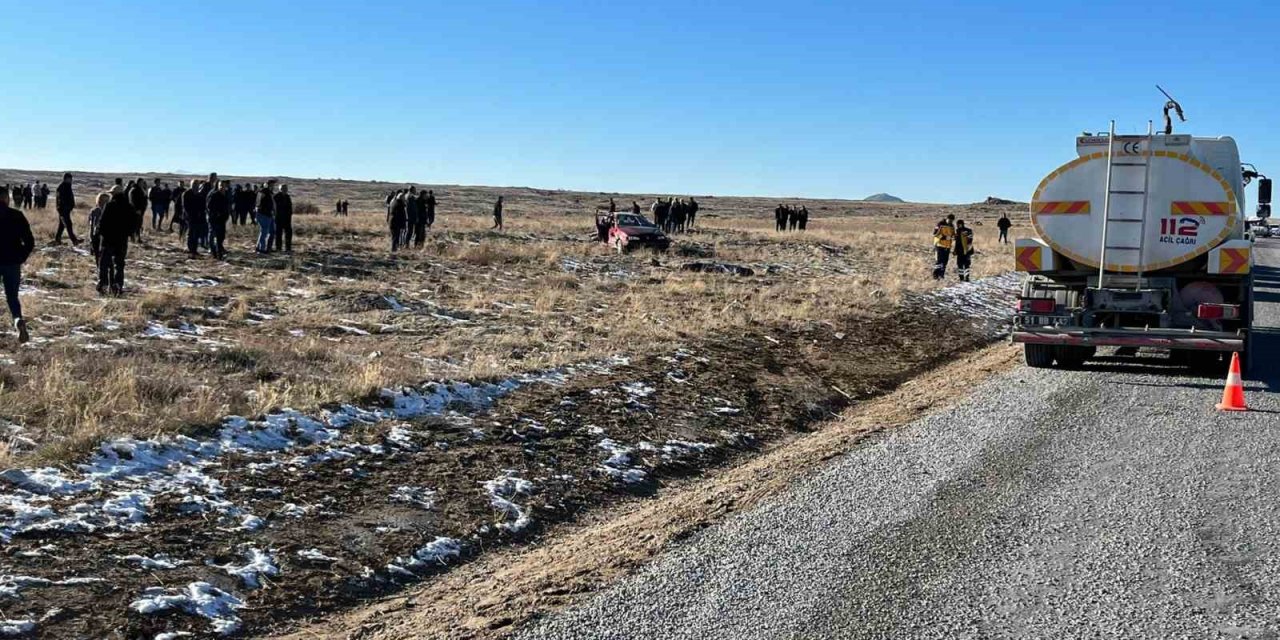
(138, 199)
(613, 207)
(804, 217)
(283, 231)
(28, 197)
(346, 208)
(244, 200)
(635, 208)
(178, 216)
(397, 216)
(779, 217)
(497, 214)
(693, 211)
(95, 221)
(793, 218)
(337, 208)
(1003, 225)
(431, 208)
(66, 203)
(963, 249)
(218, 211)
(194, 203)
(266, 216)
(158, 206)
(420, 229)
(16, 245)
(44, 195)
(943, 237)
(114, 229)
(412, 215)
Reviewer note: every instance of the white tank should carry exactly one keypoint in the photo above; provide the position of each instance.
(1193, 200)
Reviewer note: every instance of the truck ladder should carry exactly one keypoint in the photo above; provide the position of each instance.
(1126, 212)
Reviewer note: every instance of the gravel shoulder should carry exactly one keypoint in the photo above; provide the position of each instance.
(1111, 501)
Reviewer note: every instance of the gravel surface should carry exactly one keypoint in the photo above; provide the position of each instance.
(1110, 502)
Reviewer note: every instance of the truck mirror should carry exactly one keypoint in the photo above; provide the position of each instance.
(1264, 191)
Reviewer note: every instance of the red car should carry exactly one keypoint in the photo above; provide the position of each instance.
(627, 231)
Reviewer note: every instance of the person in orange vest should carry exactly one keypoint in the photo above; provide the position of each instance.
(943, 237)
(963, 248)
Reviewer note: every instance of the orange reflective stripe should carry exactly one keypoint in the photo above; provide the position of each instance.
(1192, 208)
(1029, 259)
(1233, 261)
(1066, 206)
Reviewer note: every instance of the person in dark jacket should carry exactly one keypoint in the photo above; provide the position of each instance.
(158, 206)
(28, 197)
(431, 207)
(283, 233)
(803, 217)
(193, 207)
(65, 204)
(346, 208)
(138, 200)
(95, 220)
(1003, 225)
(16, 245)
(266, 216)
(218, 211)
(397, 217)
(963, 248)
(420, 227)
(497, 214)
(178, 215)
(245, 198)
(693, 211)
(635, 208)
(412, 215)
(114, 230)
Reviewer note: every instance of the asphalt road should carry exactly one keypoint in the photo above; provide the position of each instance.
(1109, 502)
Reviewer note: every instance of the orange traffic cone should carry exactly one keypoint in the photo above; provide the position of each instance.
(1233, 394)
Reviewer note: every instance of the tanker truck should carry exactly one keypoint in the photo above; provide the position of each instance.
(1142, 244)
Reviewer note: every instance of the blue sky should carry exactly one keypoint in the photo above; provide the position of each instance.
(934, 101)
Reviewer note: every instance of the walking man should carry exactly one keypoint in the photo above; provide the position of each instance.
(425, 202)
(397, 217)
(194, 206)
(412, 216)
(114, 228)
(1003, 225)
(497, 214)
(943, 237)
(266, 216)
(138, 198)
(66, 203)
(16, 245)
(284, 220)
(963, 249)
(158, 206)
(218, 211)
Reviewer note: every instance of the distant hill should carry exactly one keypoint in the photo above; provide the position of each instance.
(882, 197)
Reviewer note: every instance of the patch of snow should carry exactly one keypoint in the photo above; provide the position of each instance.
(620, 463)
(195, 282)
(291, 510)
(438, 552)
(160, 562)
(16, 628)
(199, 599)
(257, 564)
(420, 497)
(355, 331)
(395, 304)
(501, 492)
(315, 555)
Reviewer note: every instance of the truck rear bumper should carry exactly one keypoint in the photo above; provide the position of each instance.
(1162, 339)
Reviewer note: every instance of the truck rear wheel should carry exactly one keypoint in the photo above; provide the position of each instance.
(1038, 356)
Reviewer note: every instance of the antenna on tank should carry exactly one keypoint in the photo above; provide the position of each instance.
(1171, 104)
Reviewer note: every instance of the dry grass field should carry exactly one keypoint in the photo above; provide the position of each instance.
(617, 374)
(277, 330)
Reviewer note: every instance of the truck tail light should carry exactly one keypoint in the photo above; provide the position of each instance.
(1218, 311)
(1041, 306)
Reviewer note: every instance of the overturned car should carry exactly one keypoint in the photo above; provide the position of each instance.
(627, 231)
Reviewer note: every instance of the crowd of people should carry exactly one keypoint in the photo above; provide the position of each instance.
(411, 213)
(671, 215)
(34, 195)
(789, 218)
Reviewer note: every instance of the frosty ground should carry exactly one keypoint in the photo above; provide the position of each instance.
(235, 447)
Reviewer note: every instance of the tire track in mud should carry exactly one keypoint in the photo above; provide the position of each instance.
(400, 501)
